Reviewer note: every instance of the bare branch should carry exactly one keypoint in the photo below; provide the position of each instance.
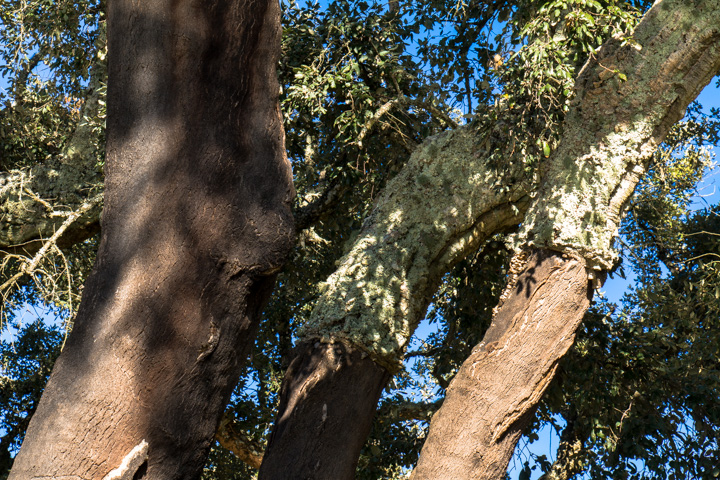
(412, 411)
(402, 100)
(308, 214)
(246, 449)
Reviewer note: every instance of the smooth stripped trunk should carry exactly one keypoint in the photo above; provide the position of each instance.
(328, 403)
(531, 330)
(195, 225)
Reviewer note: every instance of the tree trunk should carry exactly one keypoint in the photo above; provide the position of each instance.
(438, 209)
(328, 402)
(494, 394)
(431, 215)
(610, 132)
(196, 223)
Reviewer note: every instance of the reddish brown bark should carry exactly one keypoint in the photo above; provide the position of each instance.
(196, 222)
(496, 390)
(231, 438)
(325, 413)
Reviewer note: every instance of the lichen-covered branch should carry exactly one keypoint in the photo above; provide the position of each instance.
(458, 188)
(29, 265)
(627, 98)
(445, 203)
(35, 202)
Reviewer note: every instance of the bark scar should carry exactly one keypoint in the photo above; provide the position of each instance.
(212, 342)
(524, 406)
(130, 464)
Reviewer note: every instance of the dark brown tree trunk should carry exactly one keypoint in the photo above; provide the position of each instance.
(497, 388)
(196, 223)
(326, 411)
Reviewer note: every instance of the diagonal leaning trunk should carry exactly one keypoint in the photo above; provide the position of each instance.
(609, 134)
(493, 395)
(196, 223)
(442, 206)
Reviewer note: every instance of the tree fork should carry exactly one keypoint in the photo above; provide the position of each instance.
(196, 222)
(615, 123)
(371, 305)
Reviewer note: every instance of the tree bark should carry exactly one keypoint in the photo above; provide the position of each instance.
(328, 406)
(437, 210)
(444, 204)
(196, 223)
(610, 132)
(494, 394)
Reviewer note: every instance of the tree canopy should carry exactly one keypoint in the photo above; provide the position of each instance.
(363, 84)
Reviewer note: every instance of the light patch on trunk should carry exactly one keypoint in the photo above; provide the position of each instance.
(130, 464)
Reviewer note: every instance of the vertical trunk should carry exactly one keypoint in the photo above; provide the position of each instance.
(328, 403)
(196, 222)
(473, 435)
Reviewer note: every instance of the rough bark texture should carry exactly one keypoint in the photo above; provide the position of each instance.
(436, 211)
(327, 410)
(495, 392)
(196, 223)
(614, 126)
(610, 132)
(444, 204)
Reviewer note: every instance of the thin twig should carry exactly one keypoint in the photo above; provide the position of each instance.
(28, 267)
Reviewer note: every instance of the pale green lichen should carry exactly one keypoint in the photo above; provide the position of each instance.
(614, 126)
(426, 219)
(70, 179)
(26, 213)
(433, 211)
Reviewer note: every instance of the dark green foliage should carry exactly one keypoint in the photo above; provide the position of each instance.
(46, 51)
(27, 361)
